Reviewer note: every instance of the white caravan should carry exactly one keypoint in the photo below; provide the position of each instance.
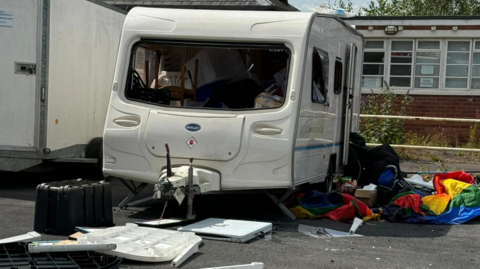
(57, 59)
(259, 100)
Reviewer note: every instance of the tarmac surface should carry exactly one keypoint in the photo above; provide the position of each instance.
(384, 245)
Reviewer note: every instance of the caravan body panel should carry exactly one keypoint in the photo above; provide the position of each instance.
(320, 129)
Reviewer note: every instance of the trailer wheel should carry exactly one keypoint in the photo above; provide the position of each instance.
(326, 186)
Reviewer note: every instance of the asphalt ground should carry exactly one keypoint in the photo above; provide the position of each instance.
(384, 244)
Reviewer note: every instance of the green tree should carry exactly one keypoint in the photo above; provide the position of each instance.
(422, 8)
(345, 5)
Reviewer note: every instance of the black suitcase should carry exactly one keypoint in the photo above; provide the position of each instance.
(62, 205)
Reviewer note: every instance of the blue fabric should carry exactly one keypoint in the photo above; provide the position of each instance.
(386, 178)
(316, 199)
(204, 92)
(456, 215)
(421, 193)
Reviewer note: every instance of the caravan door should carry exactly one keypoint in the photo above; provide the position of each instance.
(18, 91)
(348, 102)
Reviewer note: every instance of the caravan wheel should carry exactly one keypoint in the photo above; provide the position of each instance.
(326, 186)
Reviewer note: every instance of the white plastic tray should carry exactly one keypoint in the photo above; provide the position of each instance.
(142, 243)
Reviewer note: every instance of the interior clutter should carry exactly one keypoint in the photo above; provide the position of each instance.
(213, 77)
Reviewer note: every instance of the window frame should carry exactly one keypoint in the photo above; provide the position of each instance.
(385, 60)
(412, 64)
(474, 51)
(440, 64)
(325, 70)
(445, 64)
(202, 44)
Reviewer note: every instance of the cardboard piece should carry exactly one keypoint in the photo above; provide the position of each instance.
(267, 100)
(369, 197)
(74, 236)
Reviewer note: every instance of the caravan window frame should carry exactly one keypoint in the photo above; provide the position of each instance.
(202, 44)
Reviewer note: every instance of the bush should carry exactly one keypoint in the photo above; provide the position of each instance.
(384, 131)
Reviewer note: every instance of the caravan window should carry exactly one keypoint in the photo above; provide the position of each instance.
(319, 76)
(208, 76)
(337, 84)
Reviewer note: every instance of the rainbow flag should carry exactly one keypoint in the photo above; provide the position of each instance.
(457, 201)
(333, 205)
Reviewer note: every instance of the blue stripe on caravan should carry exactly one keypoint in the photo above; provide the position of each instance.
(319, 146)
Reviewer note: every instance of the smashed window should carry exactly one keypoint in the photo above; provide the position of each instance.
(208, 76)
(319, 76)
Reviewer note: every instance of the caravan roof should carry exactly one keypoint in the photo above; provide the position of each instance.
(212, 25)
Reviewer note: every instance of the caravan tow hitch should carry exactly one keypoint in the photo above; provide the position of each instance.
(171, 185)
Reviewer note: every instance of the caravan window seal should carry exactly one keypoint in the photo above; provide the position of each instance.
(182, 43)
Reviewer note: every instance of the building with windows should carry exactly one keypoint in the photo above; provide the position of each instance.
(435, 59)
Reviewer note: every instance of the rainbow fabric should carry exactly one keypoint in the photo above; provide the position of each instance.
(334, 205)
(457, 201)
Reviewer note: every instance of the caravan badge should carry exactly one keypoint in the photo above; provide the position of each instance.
(193, 127)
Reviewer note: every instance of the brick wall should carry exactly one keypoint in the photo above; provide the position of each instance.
(464, 107)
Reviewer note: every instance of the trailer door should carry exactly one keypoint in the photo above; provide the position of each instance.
(18, 57)
(348, 113)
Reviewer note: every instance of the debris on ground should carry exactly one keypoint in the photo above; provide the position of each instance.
(418, 181)
(457, 201)
(356, 224)
(28, 237)
(333, 205)
(42, 247)
(367, 195)
(17, 255)
(228, 230)
(253, 265)
(142, 243)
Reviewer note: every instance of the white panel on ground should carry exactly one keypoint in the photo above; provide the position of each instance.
(143, 244)
(228, 230)
(28, 237)
(18, 32)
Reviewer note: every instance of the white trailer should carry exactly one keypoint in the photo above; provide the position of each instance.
(56, 65)
(246, 138)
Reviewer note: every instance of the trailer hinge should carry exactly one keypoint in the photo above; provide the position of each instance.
(42, 94)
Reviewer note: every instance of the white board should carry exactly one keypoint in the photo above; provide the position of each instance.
(227, 229)
(141, 243)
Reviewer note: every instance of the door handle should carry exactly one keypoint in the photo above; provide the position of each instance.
(268, 131)
(127, 122)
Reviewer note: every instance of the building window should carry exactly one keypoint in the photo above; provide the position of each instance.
(476, 66)
(401, 63)
(373, 64)
(427, 64)
(319, 76)
(458, 61)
